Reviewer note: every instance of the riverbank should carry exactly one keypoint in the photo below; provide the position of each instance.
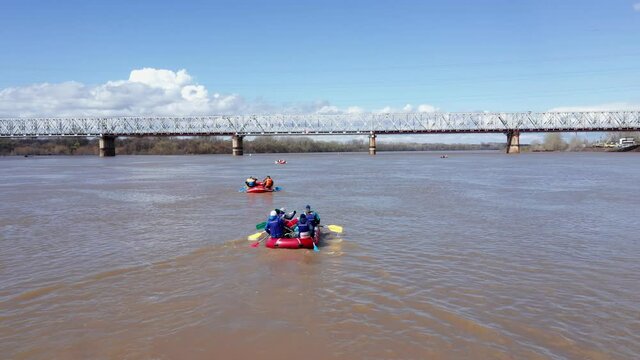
(635, 148)
(214, 145)
(260, 145)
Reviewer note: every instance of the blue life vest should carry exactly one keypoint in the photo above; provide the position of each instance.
(313, 218)
(304, 228)
(275, 227)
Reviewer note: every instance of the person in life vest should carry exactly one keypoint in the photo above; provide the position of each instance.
(275, 225)
(251, 181)
(268, 182)
(289, 221)
(304, 230)
(313, 218)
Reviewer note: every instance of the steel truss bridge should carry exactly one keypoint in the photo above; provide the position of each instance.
(239, 126)
(314, 124)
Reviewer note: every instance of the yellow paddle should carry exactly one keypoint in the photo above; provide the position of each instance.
(255, 236)
(335, 228)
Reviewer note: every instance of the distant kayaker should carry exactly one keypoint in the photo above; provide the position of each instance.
(268, 182)
(275, 225)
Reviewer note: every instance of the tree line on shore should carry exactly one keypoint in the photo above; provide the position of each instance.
(267, 144)
(555, 142)
(214, 145)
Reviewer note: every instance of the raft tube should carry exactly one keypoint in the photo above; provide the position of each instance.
(293, 243)
(259, 189)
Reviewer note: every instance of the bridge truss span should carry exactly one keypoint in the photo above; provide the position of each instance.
(317, 124)
(371, 124)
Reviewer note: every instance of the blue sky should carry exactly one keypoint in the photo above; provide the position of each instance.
(446, 55)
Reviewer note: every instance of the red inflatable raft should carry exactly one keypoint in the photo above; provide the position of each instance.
(259, 189)
(293, 243)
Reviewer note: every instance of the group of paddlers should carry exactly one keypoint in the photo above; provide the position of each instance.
(252, 182)
(281, 224)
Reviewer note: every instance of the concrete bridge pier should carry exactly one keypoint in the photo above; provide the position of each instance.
(107, 145)
(513, 142)
(372, 144)
(236, 144)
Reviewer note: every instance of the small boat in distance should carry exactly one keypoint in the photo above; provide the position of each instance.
(281, 162)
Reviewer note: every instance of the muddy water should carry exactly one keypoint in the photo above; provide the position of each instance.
(480, 255)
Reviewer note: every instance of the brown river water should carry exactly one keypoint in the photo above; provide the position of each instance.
(477, 256)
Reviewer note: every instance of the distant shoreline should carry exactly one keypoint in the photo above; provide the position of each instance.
(213, 145)
(635, 148)
(440, 152)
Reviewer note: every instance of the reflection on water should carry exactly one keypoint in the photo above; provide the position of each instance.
(480, 255)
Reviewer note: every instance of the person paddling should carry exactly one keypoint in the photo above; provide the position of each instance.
(268, 182)
(313, 218)
(275, 225)
(304, 230)
(289, 220)
(251, 181)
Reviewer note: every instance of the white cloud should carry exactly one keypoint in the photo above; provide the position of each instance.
(384, 110)
(147, 92)
(407, 108)
(195, 93)
(636, 6)
(328, 109)
(150, 91)
(160, 78)
(426, 108)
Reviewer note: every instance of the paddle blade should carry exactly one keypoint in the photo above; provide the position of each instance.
(255, 236)
(242, 190)
(335, 228)
(277, 188)
(261, 225)
(315, 248)
(256, 244)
